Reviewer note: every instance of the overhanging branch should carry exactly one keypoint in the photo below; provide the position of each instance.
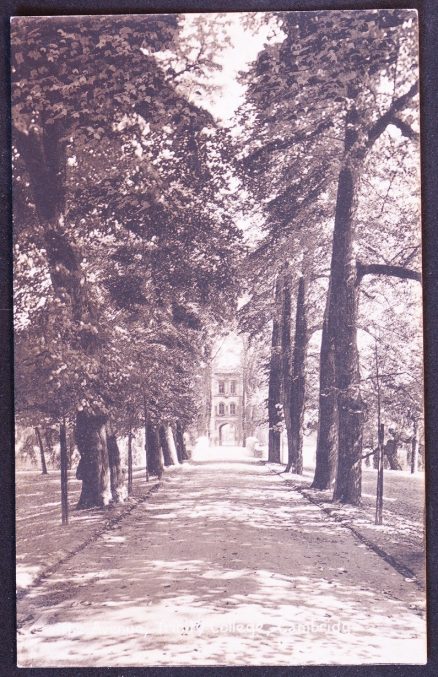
(385, 269)
(405, 129)
(390, 117)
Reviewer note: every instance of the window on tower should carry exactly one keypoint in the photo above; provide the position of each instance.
(233, 387)
(222, 387)
(232, 409)
(221, 409)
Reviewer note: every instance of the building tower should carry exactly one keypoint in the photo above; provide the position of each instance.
(226, 407)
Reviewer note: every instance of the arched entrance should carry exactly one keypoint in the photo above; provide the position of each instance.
(227, 434)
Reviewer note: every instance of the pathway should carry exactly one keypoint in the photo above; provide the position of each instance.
(224, 565)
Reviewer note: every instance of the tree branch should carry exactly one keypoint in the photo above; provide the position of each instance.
(385, 269)
(405, 129)
(390, 117)
(409, 257)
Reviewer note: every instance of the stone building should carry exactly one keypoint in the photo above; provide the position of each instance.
(226, 407)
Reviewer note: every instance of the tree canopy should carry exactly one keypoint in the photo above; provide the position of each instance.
(144, 224)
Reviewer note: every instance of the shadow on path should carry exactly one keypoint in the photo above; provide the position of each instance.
(226, 566)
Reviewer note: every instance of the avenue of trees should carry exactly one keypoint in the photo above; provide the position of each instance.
(129, 260)
(125, 252)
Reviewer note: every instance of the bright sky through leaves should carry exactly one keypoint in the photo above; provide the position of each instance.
(228, 93)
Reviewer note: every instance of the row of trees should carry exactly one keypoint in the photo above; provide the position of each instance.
(128, 259)
(125, 248)
(331, 157)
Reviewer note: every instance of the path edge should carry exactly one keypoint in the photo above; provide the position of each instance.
(395, 563)
(108, 524)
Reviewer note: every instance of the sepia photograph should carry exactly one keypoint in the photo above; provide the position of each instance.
(218, 339)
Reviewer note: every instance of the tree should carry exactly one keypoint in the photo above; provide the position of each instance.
(326, 123)
(275, 407)
(326, 445)
(57, 65)
(42, 455)
(343, 300)
(297, 381)
(63, 135)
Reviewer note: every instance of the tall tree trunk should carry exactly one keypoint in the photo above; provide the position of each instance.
(391, 454)
(204, 420)
(286, 366)
(180, 444)
(179, 447)
(414, 447)
(145, 422)
(130, 483)
(153, 452)
(93, 468)
(45, 157)
(44, 153)
(343, 295)
(298, 382)
(342, 325)
(171, 445)
(327, 440)
(42, 455)
(63, 451)
(117, 473)
(275, 416)
(71, 448)
(165, 445)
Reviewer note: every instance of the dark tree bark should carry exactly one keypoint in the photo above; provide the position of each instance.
(165, 446)
(205, 415)
(44, 155)
(145, 422)
(342, 321)
(93, 468)
(117, 475)
(286, 365)
(391, 454)
(42, 455)
(346, 274)
(379, 487)
(179, 448)
(343, 296)
(383, 269)
(327, 440)
(391, 117)
(64, 471)
(274, 389)
(154, 463)
(343, 327)
(376, 458)
(298, 381)
(180, 444)
(130, 483)
(99, 466)
(43, 152)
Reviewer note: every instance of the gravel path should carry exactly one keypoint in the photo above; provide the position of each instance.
(224, 565)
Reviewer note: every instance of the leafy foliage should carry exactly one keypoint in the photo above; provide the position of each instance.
(139, 190)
